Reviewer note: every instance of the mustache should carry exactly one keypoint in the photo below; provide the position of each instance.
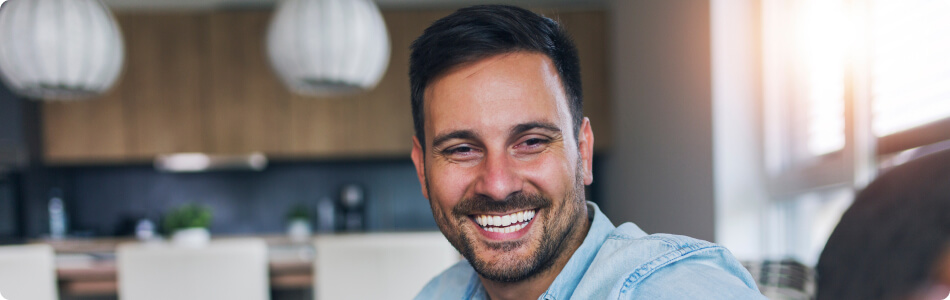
(485, 204)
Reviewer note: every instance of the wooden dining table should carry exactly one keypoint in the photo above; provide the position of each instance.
(87, 266)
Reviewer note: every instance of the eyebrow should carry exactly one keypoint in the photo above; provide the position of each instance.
(520, 128)
(458, 134)
(517, 129)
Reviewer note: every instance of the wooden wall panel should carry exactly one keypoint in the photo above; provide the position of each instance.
(319, 126)
(162, 88)
(247, 107)
(85, 131)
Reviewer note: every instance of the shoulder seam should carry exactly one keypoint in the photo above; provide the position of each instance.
(645, 270)
(670, 240)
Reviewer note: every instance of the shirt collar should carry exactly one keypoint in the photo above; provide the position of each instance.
(565, 283)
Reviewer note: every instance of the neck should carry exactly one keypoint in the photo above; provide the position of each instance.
(533, 287)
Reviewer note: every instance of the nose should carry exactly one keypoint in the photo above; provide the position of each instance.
(499, 177)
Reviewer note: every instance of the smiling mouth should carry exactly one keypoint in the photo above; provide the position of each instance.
(505, 223)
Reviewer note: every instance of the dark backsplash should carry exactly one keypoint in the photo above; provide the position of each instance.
(108, 200)
(105, 201)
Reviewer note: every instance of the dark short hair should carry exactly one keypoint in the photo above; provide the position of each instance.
(889, 241)
(477, 32)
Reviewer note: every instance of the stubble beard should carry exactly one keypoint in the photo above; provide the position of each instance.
(556, 231)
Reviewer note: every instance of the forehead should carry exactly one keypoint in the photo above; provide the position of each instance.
(498, 91)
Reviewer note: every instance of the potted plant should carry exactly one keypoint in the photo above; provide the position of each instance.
(298, 223)
(188, 224)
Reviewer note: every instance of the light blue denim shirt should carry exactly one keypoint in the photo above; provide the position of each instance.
(624, 263)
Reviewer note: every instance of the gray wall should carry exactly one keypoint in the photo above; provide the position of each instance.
(660, 169)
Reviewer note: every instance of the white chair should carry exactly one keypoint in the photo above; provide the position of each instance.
(380, 265)
(234, 269)
(28, 272)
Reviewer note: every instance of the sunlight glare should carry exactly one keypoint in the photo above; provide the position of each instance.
(910, 65)
(823, 39)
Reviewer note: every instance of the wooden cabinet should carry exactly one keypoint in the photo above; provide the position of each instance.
(163, 88)
(246, 108)
(201, 82)
(156, 106)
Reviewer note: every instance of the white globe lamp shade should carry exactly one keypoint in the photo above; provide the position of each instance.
(59, 49)
(328, 47)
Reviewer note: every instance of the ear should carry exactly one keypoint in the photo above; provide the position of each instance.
(418, 159)
(585, 145)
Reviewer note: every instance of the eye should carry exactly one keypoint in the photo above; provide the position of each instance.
(532, 145)
(534, 141)
(461, 152)
(460, 149)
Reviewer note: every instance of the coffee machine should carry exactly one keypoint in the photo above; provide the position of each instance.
(353, 206)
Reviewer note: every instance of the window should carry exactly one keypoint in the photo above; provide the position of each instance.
(842, 77)
(846, 84)
(805, 48)
(910, 73)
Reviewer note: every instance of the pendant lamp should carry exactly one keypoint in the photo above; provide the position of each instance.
(59, 49)
(328, 47)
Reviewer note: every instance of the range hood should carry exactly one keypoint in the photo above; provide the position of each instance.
(202, 162)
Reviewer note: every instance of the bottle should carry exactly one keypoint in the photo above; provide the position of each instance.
(145, 230)
(57, 215)
(326, 215)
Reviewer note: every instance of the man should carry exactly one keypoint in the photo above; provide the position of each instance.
(503, 152)
(894, 240)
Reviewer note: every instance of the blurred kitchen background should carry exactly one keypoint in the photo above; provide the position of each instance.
(750, 123)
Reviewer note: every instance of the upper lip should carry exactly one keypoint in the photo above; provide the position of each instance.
(501, 213)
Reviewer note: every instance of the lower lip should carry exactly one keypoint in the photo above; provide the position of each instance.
(505, 236)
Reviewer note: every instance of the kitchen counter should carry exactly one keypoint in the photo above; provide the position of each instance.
(87, 267)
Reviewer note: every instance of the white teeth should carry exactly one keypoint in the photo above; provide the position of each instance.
(507, 220)
(505, 224)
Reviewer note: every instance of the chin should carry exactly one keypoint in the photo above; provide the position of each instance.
(507, 267)
(506, 261)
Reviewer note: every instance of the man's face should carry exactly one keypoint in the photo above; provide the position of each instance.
(502, 168)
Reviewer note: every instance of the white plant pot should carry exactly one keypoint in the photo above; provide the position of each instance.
(191, 237)
(299, 230)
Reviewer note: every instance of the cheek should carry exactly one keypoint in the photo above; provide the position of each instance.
(447, 186)
(552, 174)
